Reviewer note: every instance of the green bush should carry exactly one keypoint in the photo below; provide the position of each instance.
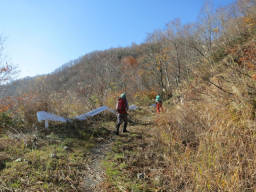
(8, 122)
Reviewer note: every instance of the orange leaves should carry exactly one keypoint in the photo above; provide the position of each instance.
(129, 61)
(129, 70)
(13, 103)
(249, 56)
(250, 65)
(4, 108)
(129, 66)
(5, 73)
(5, 104)
(246, 19)
(5, 69)
(246, 56)
(249, 20)
(216, 30)
(254, 76)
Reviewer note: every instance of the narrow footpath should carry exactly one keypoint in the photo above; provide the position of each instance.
(100, 156)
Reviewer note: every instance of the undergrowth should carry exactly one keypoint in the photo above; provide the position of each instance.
(50, 160)
(204, 143)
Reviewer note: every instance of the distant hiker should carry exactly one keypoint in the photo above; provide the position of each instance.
(159, 107)
(122, 108)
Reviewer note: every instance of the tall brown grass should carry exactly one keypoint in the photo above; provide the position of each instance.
(211, 137)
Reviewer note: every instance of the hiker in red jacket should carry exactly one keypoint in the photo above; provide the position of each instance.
(122, 108)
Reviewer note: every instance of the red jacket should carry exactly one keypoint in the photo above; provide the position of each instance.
(122, 106)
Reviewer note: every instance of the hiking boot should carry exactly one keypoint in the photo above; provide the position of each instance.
(125, 131)
(117, 133)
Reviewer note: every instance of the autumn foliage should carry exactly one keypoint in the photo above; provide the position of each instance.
(206, 73)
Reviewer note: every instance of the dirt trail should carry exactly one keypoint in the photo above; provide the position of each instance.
(95, 172)
(96, 175)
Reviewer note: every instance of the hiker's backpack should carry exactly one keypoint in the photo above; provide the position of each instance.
(121, 107)
(158, 98)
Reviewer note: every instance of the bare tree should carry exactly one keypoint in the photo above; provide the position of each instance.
(7, 71)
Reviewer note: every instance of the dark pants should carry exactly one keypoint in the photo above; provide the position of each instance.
(120, 119)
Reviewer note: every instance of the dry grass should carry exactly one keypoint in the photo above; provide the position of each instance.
(218, 131)
(206, 143)
(40, 162)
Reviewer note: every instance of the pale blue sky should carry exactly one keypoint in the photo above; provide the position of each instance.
(41, 35)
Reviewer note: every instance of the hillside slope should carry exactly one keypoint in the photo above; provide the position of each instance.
(205, 139)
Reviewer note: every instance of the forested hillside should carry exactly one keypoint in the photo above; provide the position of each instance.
(206, 73)
(168, 57)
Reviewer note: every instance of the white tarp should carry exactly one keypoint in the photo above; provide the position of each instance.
(132, 107)
(93, 113)
(44, 116)
(99, 110)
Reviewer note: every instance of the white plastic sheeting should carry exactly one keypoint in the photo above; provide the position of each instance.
(132, 107)
(93, 112)
(99, 110)
(44, 116)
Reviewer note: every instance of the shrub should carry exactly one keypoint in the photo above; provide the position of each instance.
(145, 97)
(10, 123)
